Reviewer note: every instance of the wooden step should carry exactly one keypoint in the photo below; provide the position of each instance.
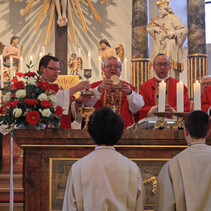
(5, 193)
(6, 206)
(5, 180)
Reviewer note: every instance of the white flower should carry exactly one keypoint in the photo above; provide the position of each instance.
(51, 98)
(17, 112)
(31, 81)
(21, 93)
(7, 97)
(42, 97)
(45, 112)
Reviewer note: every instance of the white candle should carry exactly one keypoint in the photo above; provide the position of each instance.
(43, 51)
(2, 72)
(11, 68)
(125, 68)
(21, 64)
(89, 60)
(31, 63)
(41, 55)
(79, 52)
(162, 97)
(197, 96)
(180, 97)
(99, 66)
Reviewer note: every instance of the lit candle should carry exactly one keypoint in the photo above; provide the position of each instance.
(125, 68)
(31, 63)
(2, 72)
(89, 60)
(79, 52)
(197, 96)
(180, 97)
(21, 64)
(11, 68)
(162, 97)
(41, 55)
(99, 65)
(43, 51)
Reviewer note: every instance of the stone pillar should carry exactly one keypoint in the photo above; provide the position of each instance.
(140, 61)
(197, 58)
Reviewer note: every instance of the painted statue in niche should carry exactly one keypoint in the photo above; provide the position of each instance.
(75, 64)
(8, 52)
(169, 34)
(61, 8)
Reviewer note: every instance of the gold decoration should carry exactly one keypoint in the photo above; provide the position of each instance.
(163, 3)
(120, 54)
(161, 123)
(74, 4)
(179, 124)
(86, 112)
(153, 181)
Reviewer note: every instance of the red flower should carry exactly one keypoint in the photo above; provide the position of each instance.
(29, 74)
(54, 87)
(31, 102)
(18, 84)
(59, 111)
(12, 104)
(46, 104)
(33, 117)
(2, 110)
(44, 85)
(15, 80)
(20, 74)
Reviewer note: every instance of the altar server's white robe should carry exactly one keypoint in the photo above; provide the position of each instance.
(184, 183)
(104, 180)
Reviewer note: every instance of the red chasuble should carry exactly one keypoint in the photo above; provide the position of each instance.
(206, 101)
(116, 100)
(148, 91)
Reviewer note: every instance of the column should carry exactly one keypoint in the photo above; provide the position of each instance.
(140, 61)
(197, 58)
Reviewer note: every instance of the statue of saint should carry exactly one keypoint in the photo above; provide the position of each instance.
(75, 63)
(169, 34)
(14, 52)
(62, 18)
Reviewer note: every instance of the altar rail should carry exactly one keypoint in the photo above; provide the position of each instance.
(49, 154)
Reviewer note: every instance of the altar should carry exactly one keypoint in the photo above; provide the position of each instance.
(49, 155)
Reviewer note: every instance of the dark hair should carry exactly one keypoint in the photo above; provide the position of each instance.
(73, 54)
(13, 38)
(46, 59)
(105, 126)
(197, 124)
(105, 41)
(111, 57)
(161, 54)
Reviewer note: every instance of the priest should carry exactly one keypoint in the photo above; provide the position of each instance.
(184, 183)
(123, 99)
(150, 89)
(49, 65)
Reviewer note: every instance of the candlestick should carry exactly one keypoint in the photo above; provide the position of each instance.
(11, 68)
(180, 97)
(2, 71)
(197, 96)
(162, 97)
(125, 68)
(43, 51)
(21, 64)
(89, 60)
(0, 96)
(99, 65)
(79, 52)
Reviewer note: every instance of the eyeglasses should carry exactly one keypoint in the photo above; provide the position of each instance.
(206, 83)
(162, 64)
(110, 66)
(54, 69)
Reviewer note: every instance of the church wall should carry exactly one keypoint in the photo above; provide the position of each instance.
(115, 27)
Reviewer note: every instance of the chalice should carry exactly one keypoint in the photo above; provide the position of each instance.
(87, 75)
(86, 112)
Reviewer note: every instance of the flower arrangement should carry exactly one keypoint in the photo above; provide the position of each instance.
(29, 101)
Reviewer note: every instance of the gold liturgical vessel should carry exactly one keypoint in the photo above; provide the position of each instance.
(87, 75)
